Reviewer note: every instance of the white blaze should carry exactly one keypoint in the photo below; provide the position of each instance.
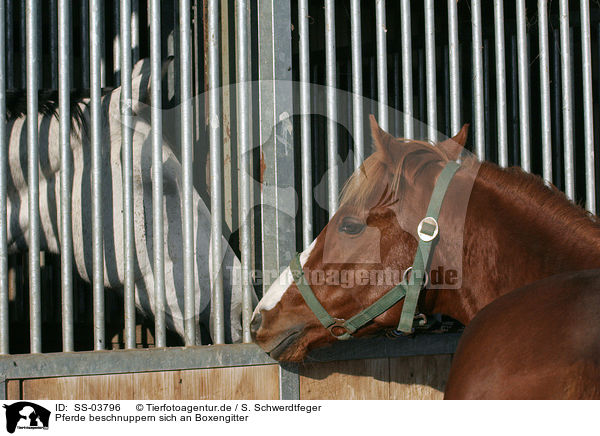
(281, 284)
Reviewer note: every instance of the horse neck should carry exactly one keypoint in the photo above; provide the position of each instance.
(517, 231)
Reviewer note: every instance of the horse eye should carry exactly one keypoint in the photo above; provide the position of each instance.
(351, 226)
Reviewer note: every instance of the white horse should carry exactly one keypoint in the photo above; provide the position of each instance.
(112, 210)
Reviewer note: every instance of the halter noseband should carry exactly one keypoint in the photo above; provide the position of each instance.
(409, 288)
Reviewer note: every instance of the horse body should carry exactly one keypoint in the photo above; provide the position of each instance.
(511, 231)
(112, 210)
(541, 341)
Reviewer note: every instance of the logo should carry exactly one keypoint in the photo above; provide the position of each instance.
(26, 415)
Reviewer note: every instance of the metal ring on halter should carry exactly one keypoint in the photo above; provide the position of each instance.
(409, 269)
(430, 221)
(338, 323)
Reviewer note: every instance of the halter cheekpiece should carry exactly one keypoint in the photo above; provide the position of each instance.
(410, 287)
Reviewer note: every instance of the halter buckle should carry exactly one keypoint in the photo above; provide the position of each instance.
(428, 229)
(341, 324)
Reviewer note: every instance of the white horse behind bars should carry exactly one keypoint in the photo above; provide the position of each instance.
(112, 210)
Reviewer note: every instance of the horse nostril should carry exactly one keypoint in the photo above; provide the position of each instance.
(256, 321)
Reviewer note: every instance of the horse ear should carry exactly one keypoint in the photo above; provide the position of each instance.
(453, 146)
(383, 142)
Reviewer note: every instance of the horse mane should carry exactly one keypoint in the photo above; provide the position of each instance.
(364, 187)
(549, 202)
(16, 105)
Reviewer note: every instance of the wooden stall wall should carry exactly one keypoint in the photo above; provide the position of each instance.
(402, 378)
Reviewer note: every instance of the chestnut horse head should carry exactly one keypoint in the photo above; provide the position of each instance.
(366, 248)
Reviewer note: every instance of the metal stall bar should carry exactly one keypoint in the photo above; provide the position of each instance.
(501, 83)
(567, 99)
(244, 135)
(157, 173)
(407, 85)
(357, 100)
(22, 45)
(187, 161)
(127, 168)
(546, 117)
(96, 141)
(304, 54)
(32, 54)
(216, 156)
(382, 86)
(332, 140)
(588, 107)
(477, 74)
(66, 171)
(4, 320)
(454, 61)
(276, 137)
(430, 70)
(523, 67)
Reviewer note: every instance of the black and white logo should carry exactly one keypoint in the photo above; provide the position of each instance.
(26, 415)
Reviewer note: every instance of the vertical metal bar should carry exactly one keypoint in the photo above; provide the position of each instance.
(127, 168)
(84, 19)
(501, 83)
(407, 85)
(446, 86)
(421, 107)
(187, 158)
(546, 118)
(588, 107)
(332, 140)
(567, 99)
(307, 231)
(66, 170)
(357, 77)
(430, 71)
(157, 176)
(382, 85)
(513, 89)
(523, 85)
(32, 54)
(96, 131)
(53, 21)
(216, 194)
(276, 136)
(454, 57)
(4, 320)
(477, 74)
(244, 135)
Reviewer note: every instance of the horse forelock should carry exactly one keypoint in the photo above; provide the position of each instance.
(375, 183)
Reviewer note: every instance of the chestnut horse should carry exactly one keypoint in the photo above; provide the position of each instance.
(513, 232)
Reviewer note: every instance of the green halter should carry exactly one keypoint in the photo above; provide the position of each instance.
(408, 289)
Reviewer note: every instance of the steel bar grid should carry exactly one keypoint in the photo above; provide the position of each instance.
(546, 120)
(66, 172)
(4, 302)
(127, 174)
(32, 54)
(567, 99)
(305, 133)
(216, 156)
(430, 71)
(330, 80)
(382, 84)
